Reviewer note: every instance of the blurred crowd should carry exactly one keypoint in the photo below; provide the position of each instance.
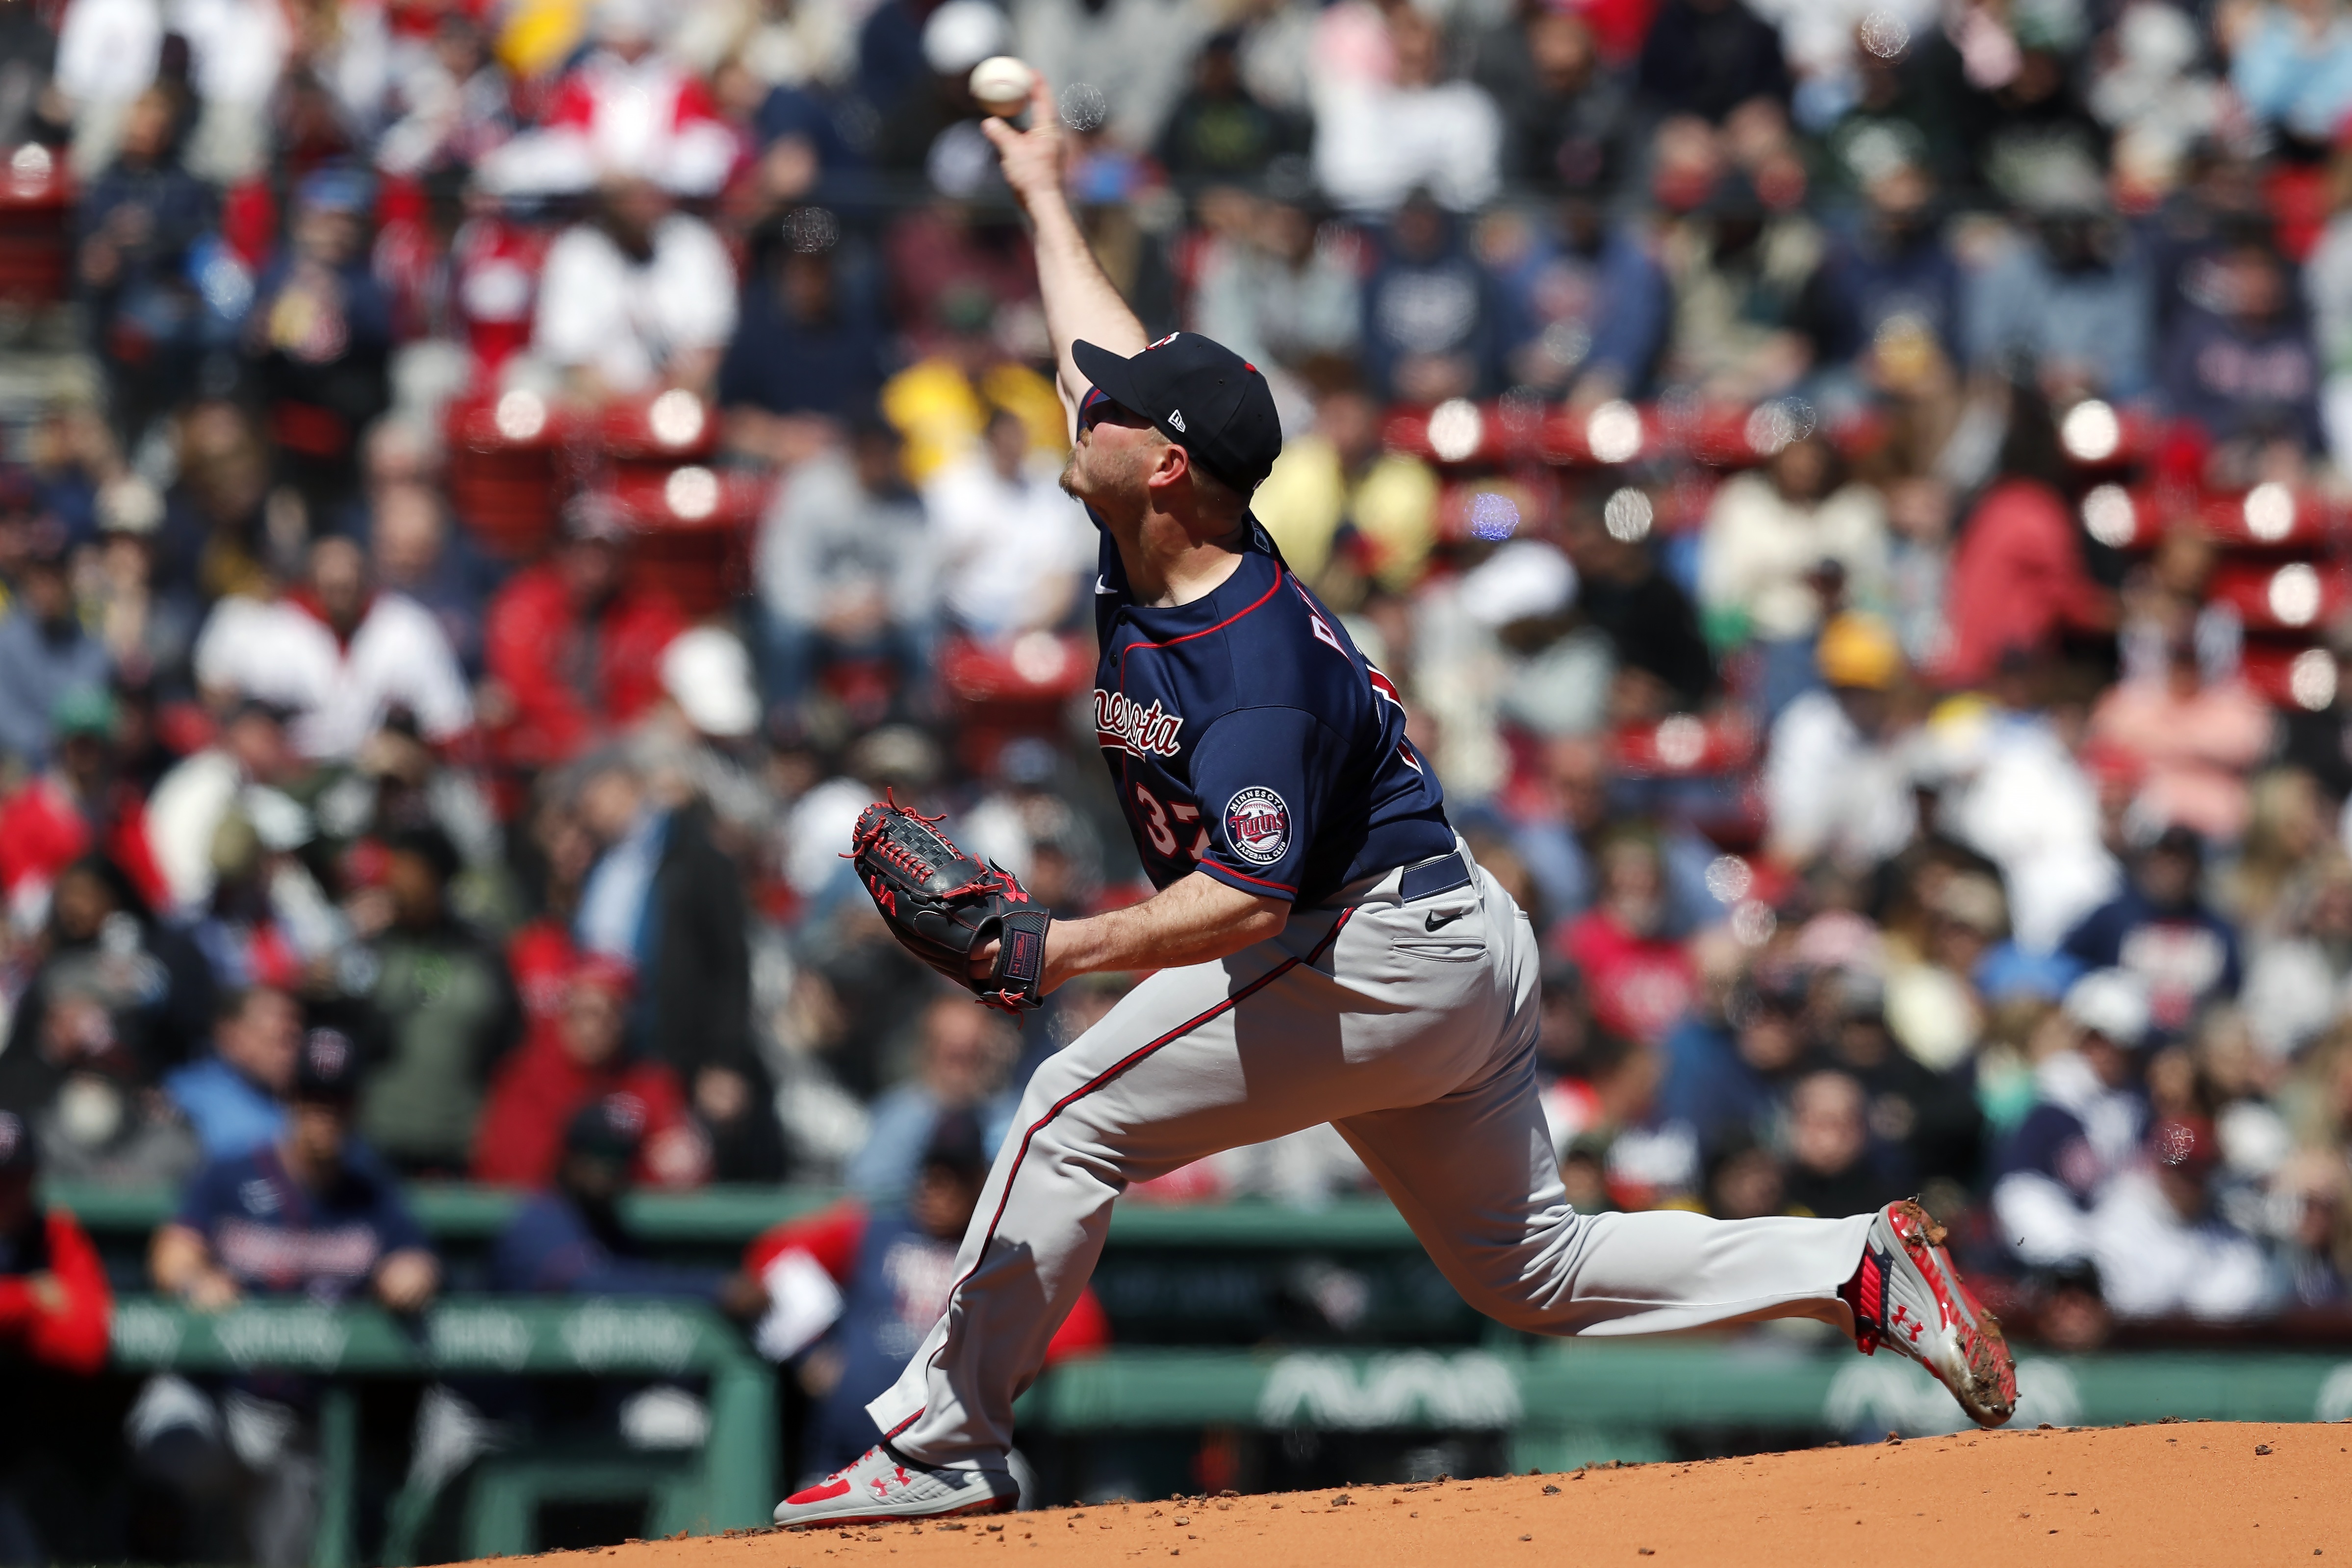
(1851, 495)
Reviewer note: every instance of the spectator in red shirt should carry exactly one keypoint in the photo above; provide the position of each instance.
(78, 804)
(573, 1060)
(573, 647)
(53, 1311)
(2018, 578)
(1642, 979)
(54, 1301)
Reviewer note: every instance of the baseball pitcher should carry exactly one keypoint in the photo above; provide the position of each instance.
(1323, 948)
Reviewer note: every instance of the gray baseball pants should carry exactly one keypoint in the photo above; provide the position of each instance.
(1410, 1026)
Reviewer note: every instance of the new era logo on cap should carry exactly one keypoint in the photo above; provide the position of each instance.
(1232, 429)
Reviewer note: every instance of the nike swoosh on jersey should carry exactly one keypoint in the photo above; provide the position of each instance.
(1440, 918)
(1102, 589)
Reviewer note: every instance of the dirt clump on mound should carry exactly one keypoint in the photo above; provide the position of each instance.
(2180, 1492)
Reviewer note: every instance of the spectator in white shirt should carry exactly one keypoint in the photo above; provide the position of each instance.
(1386, 120)
(1010, 548)
(2162, 1250)
(338, 654)
(237, 51)
(1836, 782)
(641, 297)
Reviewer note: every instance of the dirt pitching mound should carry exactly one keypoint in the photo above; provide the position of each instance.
(2190, 1492)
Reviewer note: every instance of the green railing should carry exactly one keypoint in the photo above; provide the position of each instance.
(455, 1211)
(477, 1336)
(461, 1212)
(1572, 1403)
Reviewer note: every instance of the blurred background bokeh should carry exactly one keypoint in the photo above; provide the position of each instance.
(1852, 492)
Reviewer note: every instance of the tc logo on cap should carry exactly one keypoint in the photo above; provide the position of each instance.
(331, 1052)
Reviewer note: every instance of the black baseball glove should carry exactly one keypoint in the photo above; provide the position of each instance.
(943, 905)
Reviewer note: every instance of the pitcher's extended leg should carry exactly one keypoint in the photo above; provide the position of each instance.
(1473, 1174)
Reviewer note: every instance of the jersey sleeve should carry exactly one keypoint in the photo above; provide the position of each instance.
(1264, 777)
(209, 1195)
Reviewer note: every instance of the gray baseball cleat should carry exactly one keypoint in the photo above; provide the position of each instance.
(1906, 1294)
(883, 1485)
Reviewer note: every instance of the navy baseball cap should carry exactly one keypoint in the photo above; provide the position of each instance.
(609, 1128)
(329, 1067)
(1198, 394)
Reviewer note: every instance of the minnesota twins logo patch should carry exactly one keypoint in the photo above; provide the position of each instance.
(1258, 824)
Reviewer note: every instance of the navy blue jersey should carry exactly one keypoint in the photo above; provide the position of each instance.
(1248, 738)
(276, 1237)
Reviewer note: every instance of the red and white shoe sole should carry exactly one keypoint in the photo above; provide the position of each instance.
(969, 1509)
(1991, 1397)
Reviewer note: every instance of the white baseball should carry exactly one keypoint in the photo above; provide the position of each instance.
(1000, 84)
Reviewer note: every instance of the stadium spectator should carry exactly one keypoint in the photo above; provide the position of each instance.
(571, 1061)
(2017, 580)
(1708, 58)
(1433, 323)
(965, 1057)
(1564, 112)
(570, 1240)
(943, 402)
(1389, 121)
(807, 357)
(2161, 929)
(2072, 296)
(2084, 1127)
(147, 246)
(320, 337)
(664, 899)
(2241, 361)
(1218, 130)
(1783, 548)
(340, 654)
(1664, 664)
(573, 645)
(641, 297)
(1894, 265)
(2161, 1247)
(80, 803)
(1641, 976)
(116, 999)
(416, 552)
(2190, 742)
(1727, 1065)
(1833, 1168)
(2291, 65)
(55, 1307)
(241, 772)
(442, 1013)
(1340, 503)
(147, 626)
(45, 652)
(235, 1097)
(1008, 548)
(313, 1216)
(1272, 289)
(845, 567)
(1837, 780)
